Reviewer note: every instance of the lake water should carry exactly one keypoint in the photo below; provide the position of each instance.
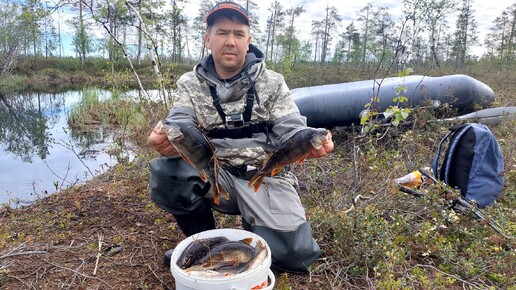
(39, 153)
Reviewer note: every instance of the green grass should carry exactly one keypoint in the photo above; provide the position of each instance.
(393, 240)
(12, 83)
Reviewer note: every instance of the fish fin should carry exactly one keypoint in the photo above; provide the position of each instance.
(247, 240)
(216, 191)
(257, 185)
(219, 190)
(266, 159)
(208, 141)
(276, 170)
(216, 199)
(302, 159)
(184, 157)
(224, 193)
(203, 176)
(226, 264)
(255, 181)
(215, 181)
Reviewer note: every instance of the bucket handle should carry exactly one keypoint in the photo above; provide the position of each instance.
(271, 285)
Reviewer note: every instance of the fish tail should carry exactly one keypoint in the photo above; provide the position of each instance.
(255, 181)
(203, 175)
(258, 183)
(219, 191)
(247, 240)
(216, 198)
(224, 193)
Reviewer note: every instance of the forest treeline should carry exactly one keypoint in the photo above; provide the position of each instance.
(161, 31)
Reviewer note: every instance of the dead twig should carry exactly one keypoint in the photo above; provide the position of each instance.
(81, 274)
(20, 250)
(75, 275)
(22, 281)
(165, 285)
(23, 253)
(99, 253)
(354, 201)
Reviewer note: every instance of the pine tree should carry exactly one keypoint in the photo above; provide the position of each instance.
(465, 33)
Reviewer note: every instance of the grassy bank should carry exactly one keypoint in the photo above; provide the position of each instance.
(61, 74)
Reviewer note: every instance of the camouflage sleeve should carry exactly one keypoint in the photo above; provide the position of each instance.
(287, 126)
(286, 117)
(182, 106)
(282, 102)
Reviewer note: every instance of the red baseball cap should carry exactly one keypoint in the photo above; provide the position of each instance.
(228, 8)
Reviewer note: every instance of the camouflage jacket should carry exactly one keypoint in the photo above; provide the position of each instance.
(192, 102)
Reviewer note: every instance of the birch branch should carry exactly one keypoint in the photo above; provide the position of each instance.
(153, 53)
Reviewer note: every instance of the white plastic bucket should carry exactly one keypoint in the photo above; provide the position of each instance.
(253, 279)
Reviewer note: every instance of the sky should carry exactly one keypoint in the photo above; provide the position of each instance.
(485, 12)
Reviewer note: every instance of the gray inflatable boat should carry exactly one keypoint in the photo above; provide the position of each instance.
(340, 104)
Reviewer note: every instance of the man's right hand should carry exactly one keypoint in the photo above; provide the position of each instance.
(159, 142)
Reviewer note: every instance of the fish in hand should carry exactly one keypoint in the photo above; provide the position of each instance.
(295, 149)
(195, 148)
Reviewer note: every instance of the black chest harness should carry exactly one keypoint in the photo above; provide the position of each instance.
(237, 125)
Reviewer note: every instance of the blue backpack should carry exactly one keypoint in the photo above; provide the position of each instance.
(473, 163)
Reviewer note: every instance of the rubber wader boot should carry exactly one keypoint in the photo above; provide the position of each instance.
(292, 252)
(192, 223)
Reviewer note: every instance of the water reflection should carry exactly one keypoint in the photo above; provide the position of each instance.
(39, 153)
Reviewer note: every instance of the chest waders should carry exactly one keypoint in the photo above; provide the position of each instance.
(177, 188)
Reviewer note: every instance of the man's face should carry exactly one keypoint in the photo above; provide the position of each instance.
(228, 41)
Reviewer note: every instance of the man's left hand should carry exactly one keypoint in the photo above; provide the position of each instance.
(325, 149)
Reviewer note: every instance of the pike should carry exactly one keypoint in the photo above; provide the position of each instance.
(228, 257)
(295, 149)
(259, 256)
(197, 249)
(196, 149)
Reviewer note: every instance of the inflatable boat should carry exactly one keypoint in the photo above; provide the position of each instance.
(340, 104)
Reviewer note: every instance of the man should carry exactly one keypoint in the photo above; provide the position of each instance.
(246, 111)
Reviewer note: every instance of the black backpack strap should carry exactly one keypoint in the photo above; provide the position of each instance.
(251, 94)
(249, 104)
(435, 162)
(216, 103)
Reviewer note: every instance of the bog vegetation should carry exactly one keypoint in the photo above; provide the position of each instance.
(371, 235)
(390, 240)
